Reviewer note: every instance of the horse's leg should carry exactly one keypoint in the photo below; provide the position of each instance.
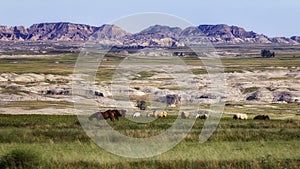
(98, 117)
(91, 117)
(112, 117)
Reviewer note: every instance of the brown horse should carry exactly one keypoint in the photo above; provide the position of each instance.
(111, 114)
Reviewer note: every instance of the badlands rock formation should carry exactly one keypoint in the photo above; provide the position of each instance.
(154, 36)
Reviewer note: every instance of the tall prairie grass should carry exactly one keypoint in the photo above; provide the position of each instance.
(60, 142)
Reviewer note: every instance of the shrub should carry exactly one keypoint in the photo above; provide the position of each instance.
(267, 53)
(249, 89)
(21, 159)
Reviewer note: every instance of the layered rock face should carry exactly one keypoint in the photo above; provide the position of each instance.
(154, 36)
(17, 33)
(60, 32)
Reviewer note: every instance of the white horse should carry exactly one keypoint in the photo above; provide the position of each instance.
(136, 114)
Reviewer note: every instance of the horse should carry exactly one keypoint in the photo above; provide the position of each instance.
(203, 116)
(261, 117)
(136, 114)
(185, 115)
(123, 112)
(111, 114)
(240, 116)
(159, 114)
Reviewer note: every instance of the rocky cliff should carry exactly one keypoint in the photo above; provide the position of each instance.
(154, 36)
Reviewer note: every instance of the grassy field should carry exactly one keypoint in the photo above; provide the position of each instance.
(53, 64)
(34, 105)
(60, 142)
(64, 64)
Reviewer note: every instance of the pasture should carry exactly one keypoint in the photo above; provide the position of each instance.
(63, 64)
(59, 142)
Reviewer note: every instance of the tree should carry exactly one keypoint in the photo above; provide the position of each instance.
(267, 53)
(141, 104)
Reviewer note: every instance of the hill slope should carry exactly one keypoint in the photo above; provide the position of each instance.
(154, 36)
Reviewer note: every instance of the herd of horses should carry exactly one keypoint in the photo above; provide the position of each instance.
(242, 116)
(115, 114)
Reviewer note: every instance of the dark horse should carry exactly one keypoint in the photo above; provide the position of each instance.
(111, 114)
(261, 117)
(123, 112)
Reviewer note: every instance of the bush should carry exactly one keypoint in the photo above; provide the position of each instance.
(20, 159)
(267, 53)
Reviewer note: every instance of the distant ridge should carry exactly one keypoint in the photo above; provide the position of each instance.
(154, 36)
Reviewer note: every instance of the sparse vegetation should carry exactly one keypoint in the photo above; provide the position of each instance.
(267, 53)
(144, 75)
(250, 89)
(36, 104)
(45, 65)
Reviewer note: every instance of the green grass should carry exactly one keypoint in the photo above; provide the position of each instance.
(262, 62)
(187, 155)
(46, 65)
(250, 89)
(60, 142)
(144, 75)
(37, 104)
(247, 64)
(104, 74)
(199, 71)
(275, 110)
(20, 158)
(66, 63)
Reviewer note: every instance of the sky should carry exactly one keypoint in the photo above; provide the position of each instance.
(275, 18)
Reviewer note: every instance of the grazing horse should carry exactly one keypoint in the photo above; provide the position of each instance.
(136, 114)
(261, 117)
(111, 114)
(123, 112)
(240, 116)
(185, 115)
(203, 116)
(159, 114)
